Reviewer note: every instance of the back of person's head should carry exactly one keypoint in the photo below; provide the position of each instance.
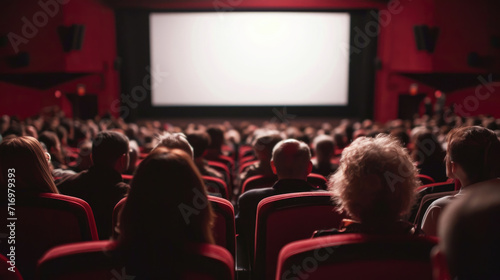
(324, 147)
(175, 141)
(84, 159)
(50, 140)
(291, 159)
(14, 128)
(469, 233)
(131, 131)
(24, 158)
(4, 123)
(200, 141)
(216, 135)
(264, 143)
(477, 150)
(401, 135)
(376, 180)
(62, 134)
(53, 145)
(427, 148)
(340, 139)
(167, 208)
(108, 147)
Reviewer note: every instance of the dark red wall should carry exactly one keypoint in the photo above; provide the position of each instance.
(93, 63)
(465, 26)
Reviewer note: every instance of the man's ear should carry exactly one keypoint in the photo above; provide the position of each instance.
(273, 167)
(439, 265)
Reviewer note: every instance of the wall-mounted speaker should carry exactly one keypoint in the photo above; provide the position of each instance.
(425, 37)
(479, 61)
(72, 37)
(19, 60)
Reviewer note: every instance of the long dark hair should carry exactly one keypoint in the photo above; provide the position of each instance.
(25, 157)
(167, 208)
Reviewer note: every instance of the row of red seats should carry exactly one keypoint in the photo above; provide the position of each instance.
(45, 221)
(48, 220)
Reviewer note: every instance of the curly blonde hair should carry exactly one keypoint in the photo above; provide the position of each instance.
(376, 180)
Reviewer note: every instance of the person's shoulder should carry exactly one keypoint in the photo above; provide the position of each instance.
(257, 193)
(71, 185)
(70, 179)
(442, 202)
(252, 197)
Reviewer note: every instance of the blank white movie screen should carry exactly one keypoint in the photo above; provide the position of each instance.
(249, 58)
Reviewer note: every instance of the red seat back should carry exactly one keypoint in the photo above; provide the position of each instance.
(244, 150)
(247, 159)
(127, 178)
(216, 185)
(93, 260)
(258, 182)
(261, 181)
(317, 180)
(426, 179)
(429, 189)
(284, 218)
(357, 256)
(44, 221)
(224, 169)
(224, 227)
(7, 271)
(426, 201)
(246, 164)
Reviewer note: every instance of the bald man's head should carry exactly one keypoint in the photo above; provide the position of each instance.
(291, 160)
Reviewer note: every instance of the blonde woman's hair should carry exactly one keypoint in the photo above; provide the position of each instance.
(376, 180)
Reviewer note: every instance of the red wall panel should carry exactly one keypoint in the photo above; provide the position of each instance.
(465, 26)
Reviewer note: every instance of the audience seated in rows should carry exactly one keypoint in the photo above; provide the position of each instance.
(472, 158)
(469, 233)
(375, 184)
(101, 186)
(291, 162)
